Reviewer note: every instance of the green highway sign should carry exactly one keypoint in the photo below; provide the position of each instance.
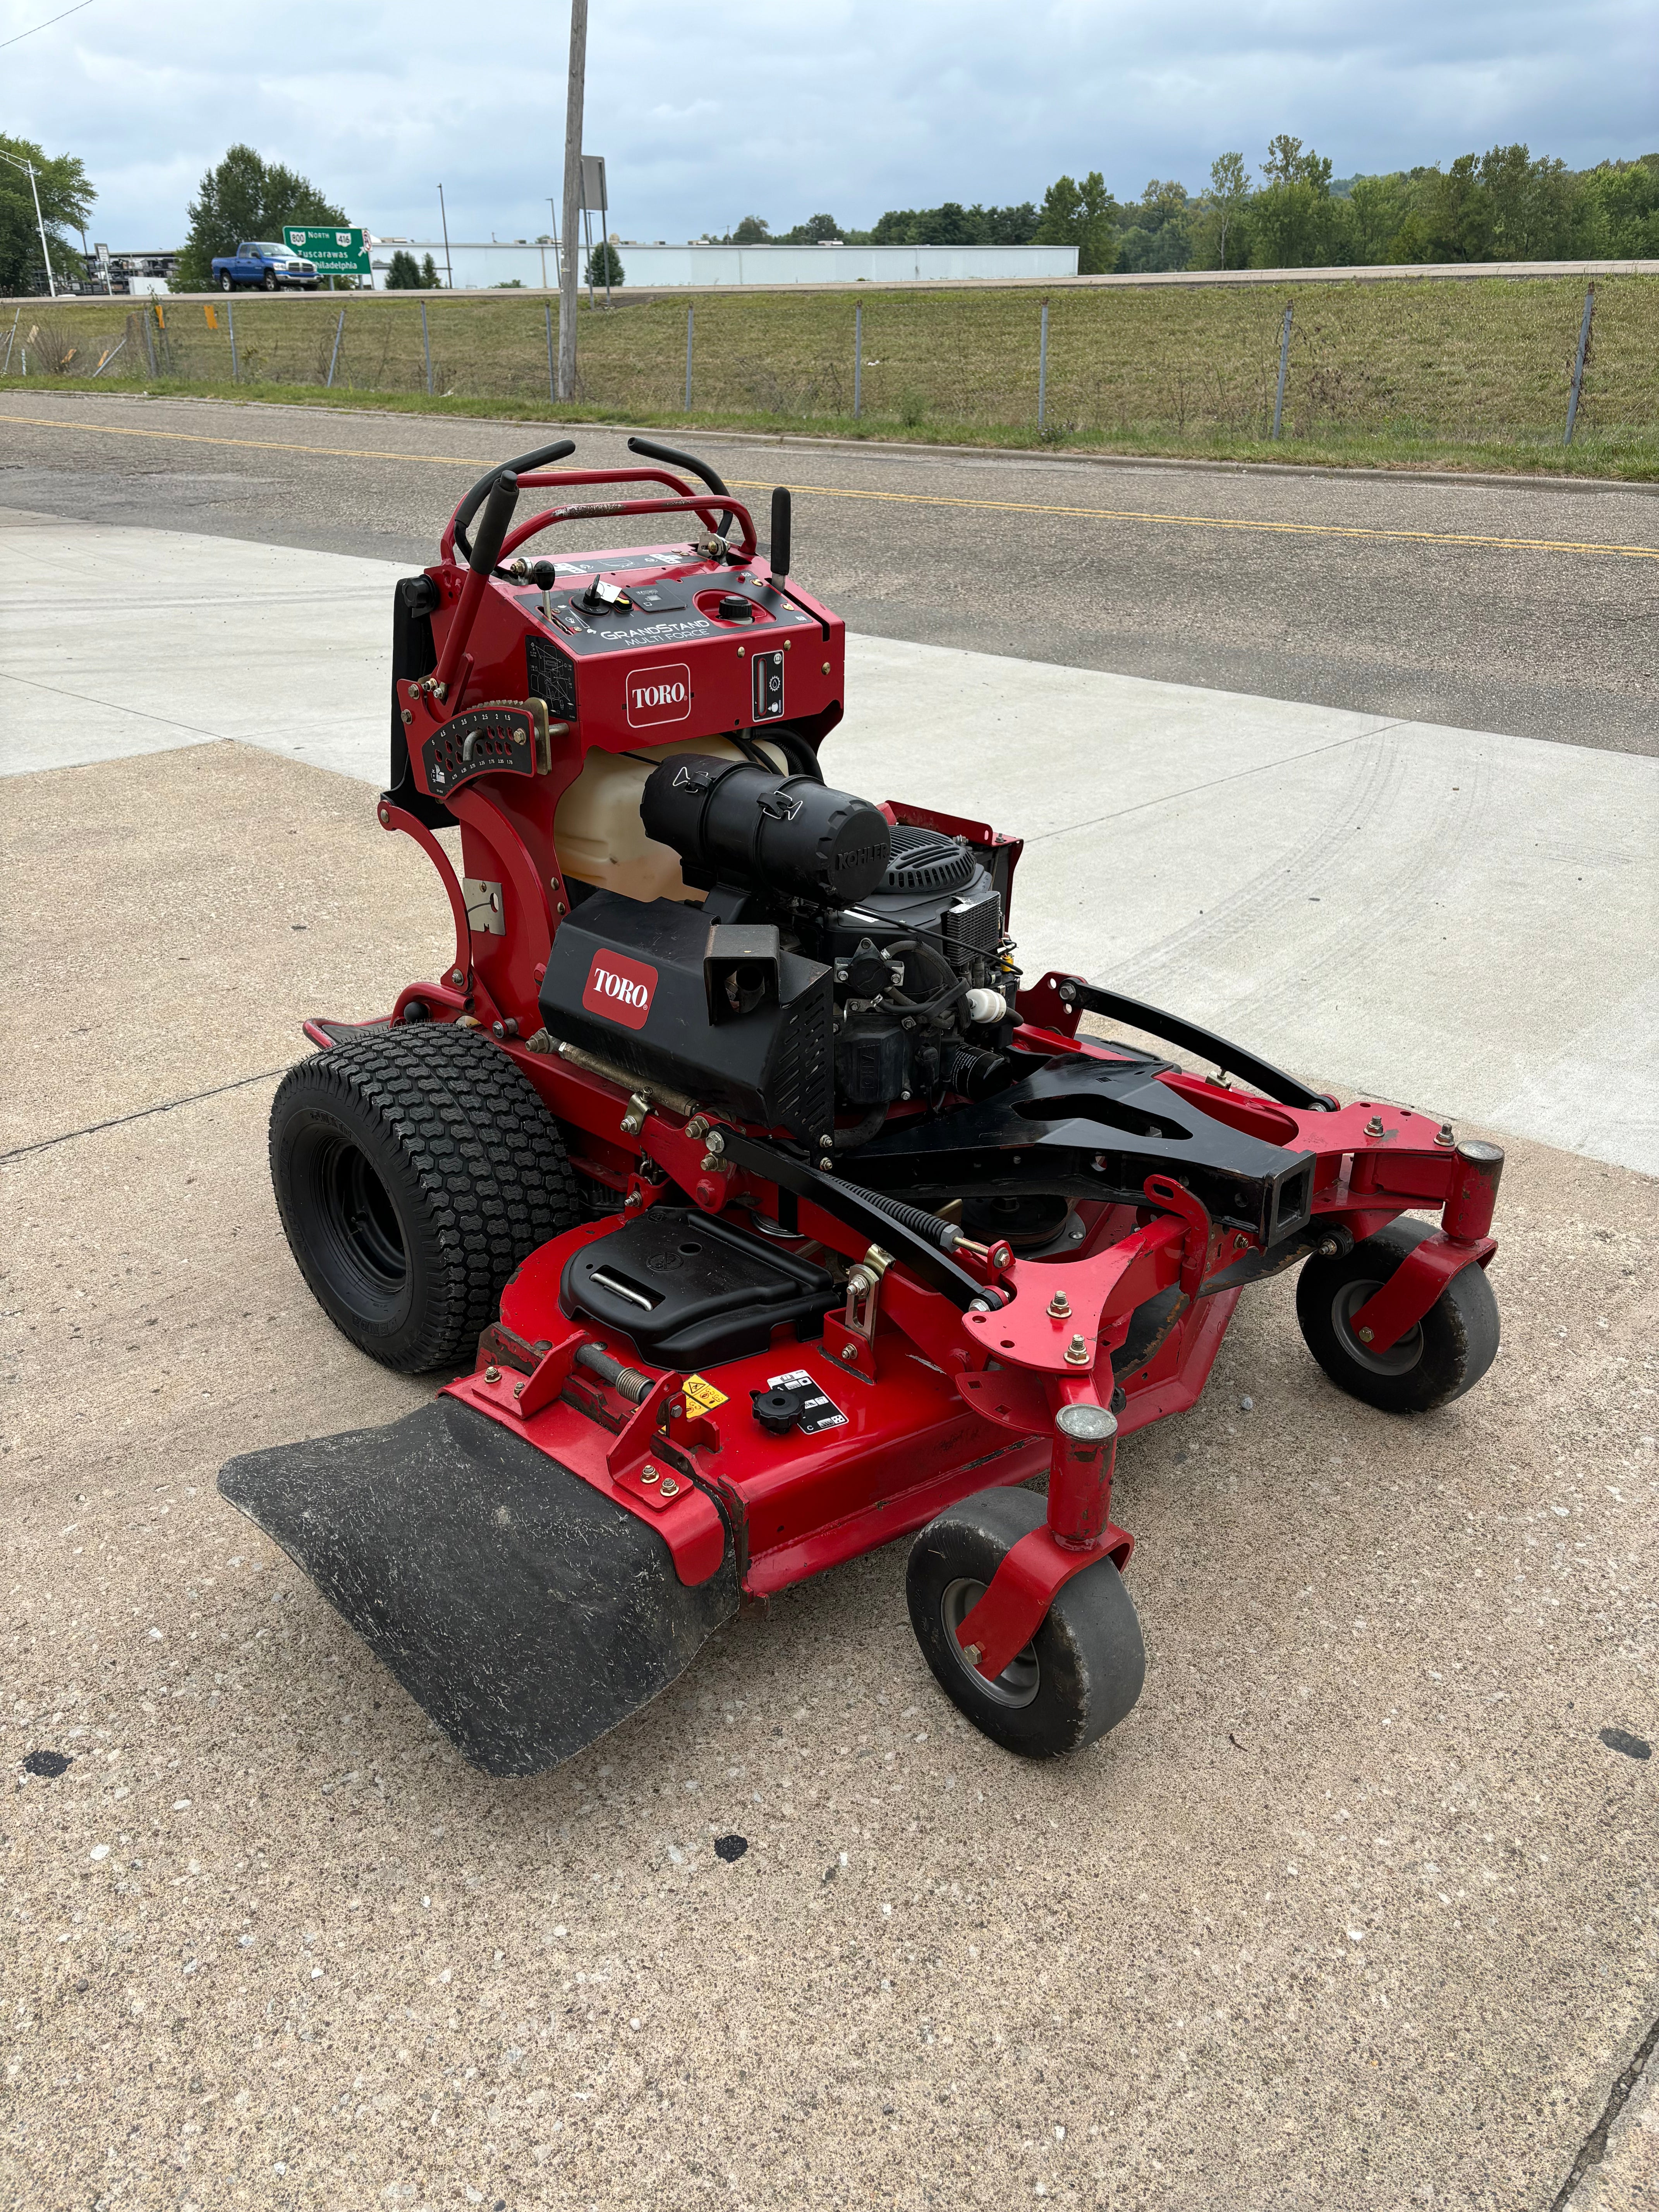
(333, 252)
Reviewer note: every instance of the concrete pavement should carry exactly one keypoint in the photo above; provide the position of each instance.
(1357, 1906)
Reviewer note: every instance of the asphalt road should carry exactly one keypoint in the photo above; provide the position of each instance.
(1488, 606)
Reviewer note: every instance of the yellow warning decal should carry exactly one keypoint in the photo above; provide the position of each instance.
(703, 1394)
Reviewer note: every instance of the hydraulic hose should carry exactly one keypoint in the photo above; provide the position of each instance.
(848, 1140)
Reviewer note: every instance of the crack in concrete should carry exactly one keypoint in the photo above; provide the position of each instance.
(1593, 2147)
(68, 1136)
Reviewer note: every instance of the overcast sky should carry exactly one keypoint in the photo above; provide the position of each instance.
(708, 113)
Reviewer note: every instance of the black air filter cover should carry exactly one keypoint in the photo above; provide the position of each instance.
(734, 823)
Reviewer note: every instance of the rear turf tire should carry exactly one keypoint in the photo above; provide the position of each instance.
(1443, 1355)
(1081, 1672)
(414, 1169)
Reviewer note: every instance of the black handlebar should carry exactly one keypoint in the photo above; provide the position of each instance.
(494, 525)
(652, 451)
(543, 457)
(778, 549)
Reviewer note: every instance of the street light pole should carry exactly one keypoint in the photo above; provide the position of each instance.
(568, 272)
(444, 217)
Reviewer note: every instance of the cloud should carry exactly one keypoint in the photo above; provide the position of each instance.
(849, 108)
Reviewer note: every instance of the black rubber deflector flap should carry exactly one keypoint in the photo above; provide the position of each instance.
(521, 1609)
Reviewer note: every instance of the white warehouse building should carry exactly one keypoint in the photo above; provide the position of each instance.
(651, 268)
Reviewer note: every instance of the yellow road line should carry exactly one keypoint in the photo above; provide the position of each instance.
(924, 499)
(255, 445)
(1224, 522)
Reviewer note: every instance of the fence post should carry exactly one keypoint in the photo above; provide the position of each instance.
(426, 348)
(857, 360)
(230, 317)
(1578, 365)
(689, 314)
(339, 332)
(1043, 367)
(149, 342)
(1283, 363)
(552, 372)
(16, 320)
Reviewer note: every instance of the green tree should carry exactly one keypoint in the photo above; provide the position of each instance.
(402, 274)
(1084, 216)
(1532, 204)
(1457, 213)
(1619, 209)
(66, 201)
(1287, 164)
(1215, 222)
(751, 231)
(1380, 205)
(430, 280)
(245, 198)
(816, 230)
(1159, 233)
(605, 264)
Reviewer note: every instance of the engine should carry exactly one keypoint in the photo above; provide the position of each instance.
(836, 966)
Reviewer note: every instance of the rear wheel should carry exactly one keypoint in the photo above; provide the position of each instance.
(414, 1169)
(1438, 1358)
(1078, 1675)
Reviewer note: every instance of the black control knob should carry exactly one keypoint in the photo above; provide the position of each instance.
(543, 575)
(778, 1410)
(735, 608)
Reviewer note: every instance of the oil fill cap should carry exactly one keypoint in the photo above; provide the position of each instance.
(734, 607)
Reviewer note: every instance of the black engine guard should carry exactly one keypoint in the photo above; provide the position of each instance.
(523, 1611)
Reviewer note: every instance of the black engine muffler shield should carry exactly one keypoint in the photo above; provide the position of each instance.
(521, 1609)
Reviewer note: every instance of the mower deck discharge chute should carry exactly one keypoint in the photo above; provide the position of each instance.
(773, 1214)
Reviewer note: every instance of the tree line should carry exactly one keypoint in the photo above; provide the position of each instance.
(1506, 205)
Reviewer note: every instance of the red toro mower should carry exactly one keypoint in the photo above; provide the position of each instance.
(778, 1215)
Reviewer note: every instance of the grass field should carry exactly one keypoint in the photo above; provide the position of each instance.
(1407, 373)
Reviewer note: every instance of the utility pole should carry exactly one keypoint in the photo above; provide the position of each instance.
(443, 213)
(568, 272)
(52, 282)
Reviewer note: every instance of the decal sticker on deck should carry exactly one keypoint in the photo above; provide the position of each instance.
(703, 1394)
(820, 1411)
(619, 989)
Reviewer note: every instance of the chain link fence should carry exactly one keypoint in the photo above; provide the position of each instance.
(1471, 361)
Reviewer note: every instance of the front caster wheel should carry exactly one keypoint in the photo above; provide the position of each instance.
(1443, 1355)
(1078, 1675)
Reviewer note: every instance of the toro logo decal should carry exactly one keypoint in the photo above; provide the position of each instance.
(658, 694)
(619, 989)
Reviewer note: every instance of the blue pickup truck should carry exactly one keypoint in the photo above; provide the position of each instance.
(272, 268)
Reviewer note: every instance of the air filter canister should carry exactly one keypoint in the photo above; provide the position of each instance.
(731, 823)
